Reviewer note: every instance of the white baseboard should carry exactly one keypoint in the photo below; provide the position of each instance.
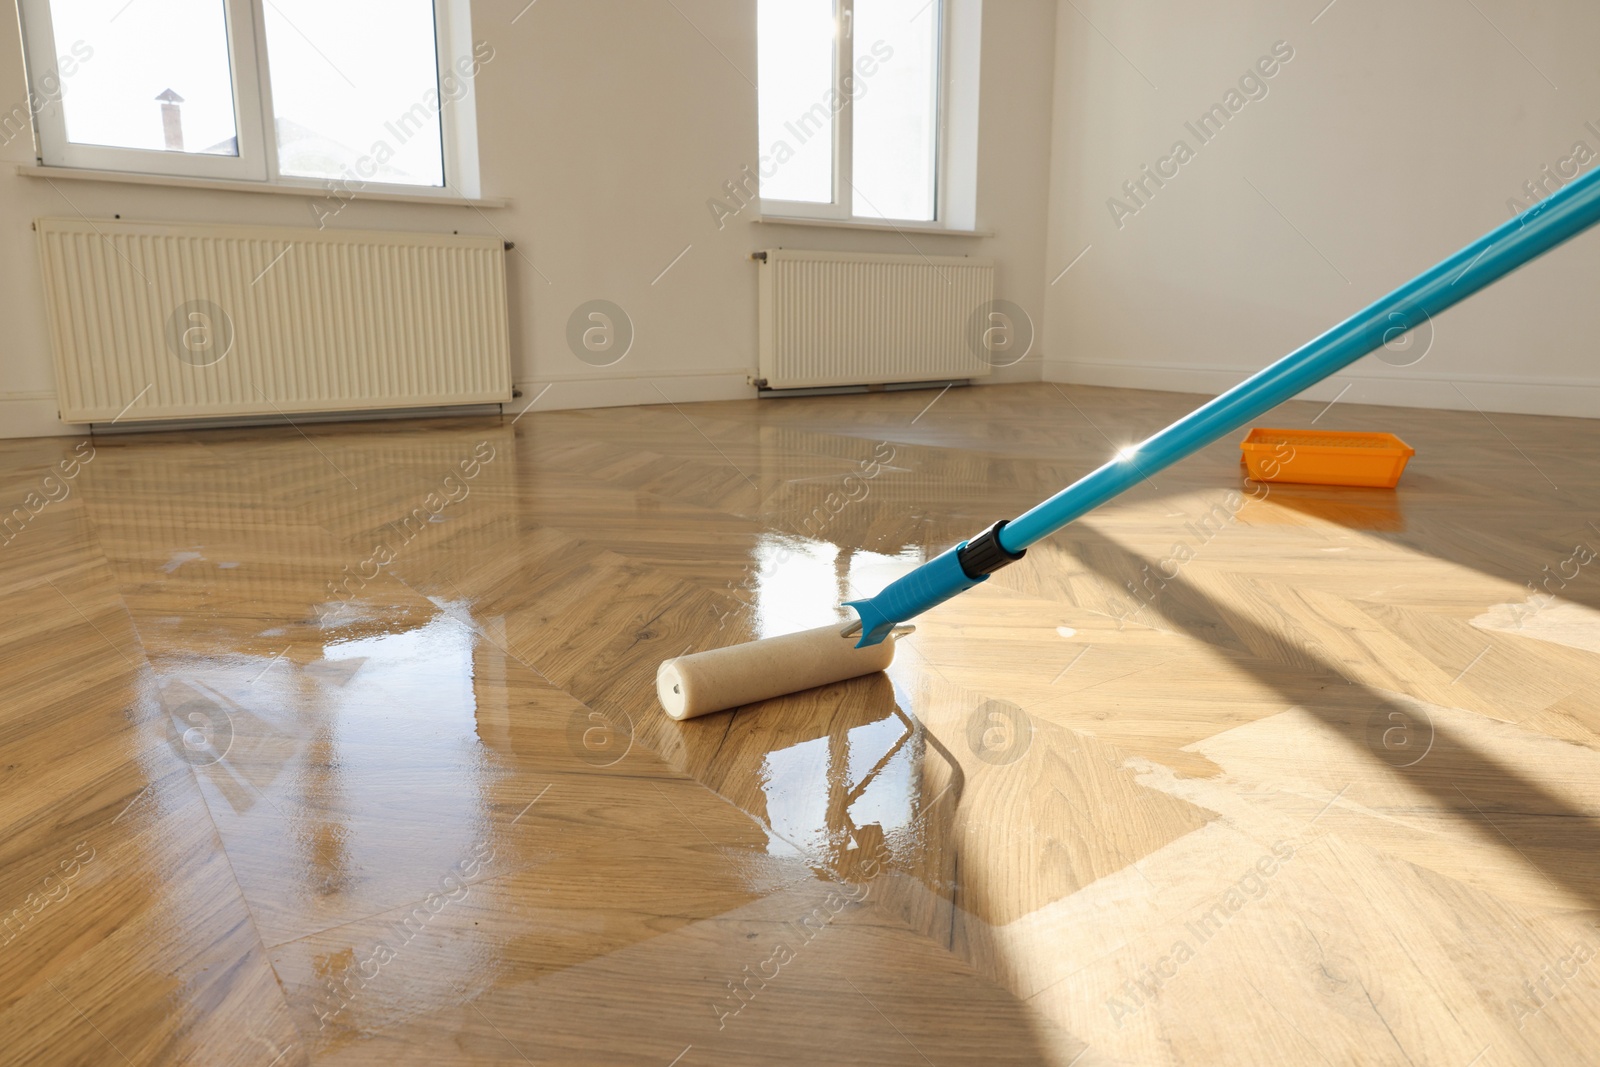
(35, 415)
(1026, 370)
(566, 394)
(1399, 387)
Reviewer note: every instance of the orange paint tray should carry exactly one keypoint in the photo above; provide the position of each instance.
(1325, 457)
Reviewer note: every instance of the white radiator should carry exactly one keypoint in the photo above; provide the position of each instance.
(845, 318)
(156, 321)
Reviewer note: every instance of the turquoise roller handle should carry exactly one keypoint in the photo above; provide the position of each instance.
(1563, 215)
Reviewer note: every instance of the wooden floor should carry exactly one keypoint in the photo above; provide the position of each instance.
(338, 745)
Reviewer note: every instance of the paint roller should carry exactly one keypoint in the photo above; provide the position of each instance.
(724, 678)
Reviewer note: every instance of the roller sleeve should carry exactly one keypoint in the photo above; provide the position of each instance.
(723, 678)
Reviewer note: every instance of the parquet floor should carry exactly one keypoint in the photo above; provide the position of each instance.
(338, 745)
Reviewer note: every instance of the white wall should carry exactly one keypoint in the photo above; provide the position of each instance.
(1395, 135)
(609, 123)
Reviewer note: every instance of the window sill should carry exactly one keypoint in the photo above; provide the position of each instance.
(34, 170)
(865, 224)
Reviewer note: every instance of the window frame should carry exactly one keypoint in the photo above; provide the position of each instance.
(842, 207)
(254, 119)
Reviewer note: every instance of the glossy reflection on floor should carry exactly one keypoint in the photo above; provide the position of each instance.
(342, 747)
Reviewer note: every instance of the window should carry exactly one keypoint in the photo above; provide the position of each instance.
(297, 92)
(854, 115)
